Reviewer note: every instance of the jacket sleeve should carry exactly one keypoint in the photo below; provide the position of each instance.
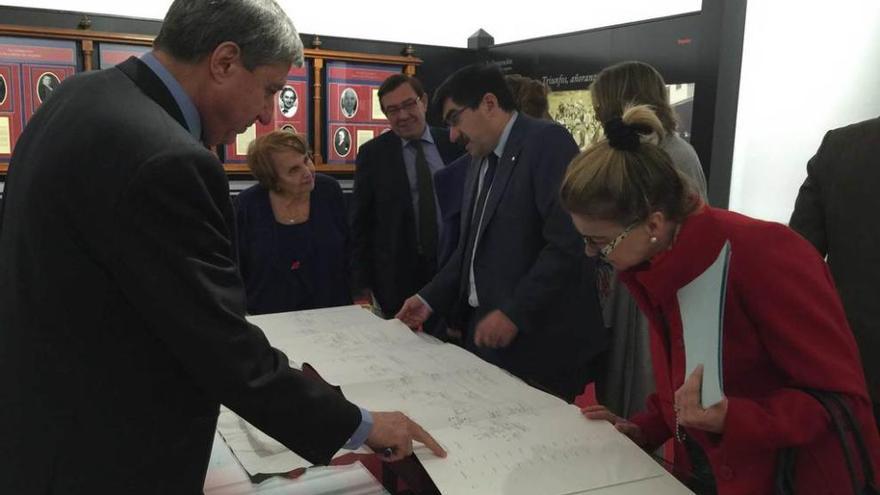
(562, 252)
(786, 290)
(808, 217)
(363, 220)
(654, 428)
(173, 260)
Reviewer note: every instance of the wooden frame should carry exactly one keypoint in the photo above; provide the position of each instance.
(88, 38)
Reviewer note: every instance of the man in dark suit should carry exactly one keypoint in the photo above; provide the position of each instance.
(121, 307)
(841, 189)
(395, 218)
(518, 281)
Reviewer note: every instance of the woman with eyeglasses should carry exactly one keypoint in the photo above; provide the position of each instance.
(784, 326)
(292, 230)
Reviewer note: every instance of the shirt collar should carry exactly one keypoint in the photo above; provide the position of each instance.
(184, 102)
(426, 136)
(499, 149)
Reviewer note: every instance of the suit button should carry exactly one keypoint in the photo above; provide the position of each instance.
(725, 473)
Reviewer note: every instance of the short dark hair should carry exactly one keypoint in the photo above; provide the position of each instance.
(192, 29)
(468, 85)
(530, 95)
(397, 80)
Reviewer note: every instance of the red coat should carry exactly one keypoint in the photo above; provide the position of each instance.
(784, 328)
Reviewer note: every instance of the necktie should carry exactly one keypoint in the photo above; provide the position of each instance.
(479, 208)
(427, 216)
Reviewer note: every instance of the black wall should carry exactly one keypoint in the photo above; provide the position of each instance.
(703, 48)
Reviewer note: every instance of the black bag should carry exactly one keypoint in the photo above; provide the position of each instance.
(842, 422)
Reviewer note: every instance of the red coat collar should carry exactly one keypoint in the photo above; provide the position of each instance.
(698, 243)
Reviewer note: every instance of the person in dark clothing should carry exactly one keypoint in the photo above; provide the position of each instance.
(292, 231)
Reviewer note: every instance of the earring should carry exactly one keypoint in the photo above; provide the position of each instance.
(653, 240)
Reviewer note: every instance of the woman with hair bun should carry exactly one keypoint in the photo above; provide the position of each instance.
(628, 379)
(784, 327)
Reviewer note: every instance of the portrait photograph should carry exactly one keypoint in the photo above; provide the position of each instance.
(342, 142)
(46, 84)
(2, 89)
(348, 102)
(288, 101)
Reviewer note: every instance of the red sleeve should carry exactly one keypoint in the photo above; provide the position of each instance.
(651, 422)
(787, 292)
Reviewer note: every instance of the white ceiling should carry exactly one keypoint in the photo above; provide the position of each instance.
(445, 23)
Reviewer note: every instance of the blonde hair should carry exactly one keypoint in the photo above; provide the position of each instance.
(631, 83)
(627, 185)
(260, 151)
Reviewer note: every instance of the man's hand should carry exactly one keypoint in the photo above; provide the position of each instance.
(396, 431)
(495, 330)
(413, 313)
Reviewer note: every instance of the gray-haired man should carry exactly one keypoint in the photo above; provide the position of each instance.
(121, 308)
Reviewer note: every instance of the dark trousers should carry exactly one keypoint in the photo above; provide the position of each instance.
(561, 385)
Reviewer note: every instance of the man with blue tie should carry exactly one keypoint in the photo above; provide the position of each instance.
(518, 281)
(395, 219)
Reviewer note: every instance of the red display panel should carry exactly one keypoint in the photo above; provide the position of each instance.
(113, 54)
(291, 113)
(30, 71)
(353, 112)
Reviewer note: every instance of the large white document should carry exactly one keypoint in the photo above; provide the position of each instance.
(502, 436)
(701, 303)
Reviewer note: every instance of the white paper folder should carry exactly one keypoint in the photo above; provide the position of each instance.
(701, 303)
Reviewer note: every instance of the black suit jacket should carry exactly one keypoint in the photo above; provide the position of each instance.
(835, 211)
(449, 186)
(529, 262)
(121, 306)
(385, 244)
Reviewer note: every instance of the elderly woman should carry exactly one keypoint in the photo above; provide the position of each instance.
(292, 230)
(628, 380)
(784, 327)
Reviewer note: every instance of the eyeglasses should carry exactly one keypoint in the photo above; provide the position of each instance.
(408, 105)
(453, 117)
(605, 250)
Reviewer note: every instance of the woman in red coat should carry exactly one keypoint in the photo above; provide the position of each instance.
(784, 326)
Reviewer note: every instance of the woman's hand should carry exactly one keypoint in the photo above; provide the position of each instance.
(628, 428)
(689, 408)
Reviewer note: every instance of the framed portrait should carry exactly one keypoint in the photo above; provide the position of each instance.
(288, 101)
(342, 142)
(348, 102)
(46, 84)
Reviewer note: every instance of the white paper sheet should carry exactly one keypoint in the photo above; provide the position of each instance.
(503, 436)
(701, 303)
(555, 451)
(226, 477)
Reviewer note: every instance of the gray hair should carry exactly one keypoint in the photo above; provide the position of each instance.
(192, 29)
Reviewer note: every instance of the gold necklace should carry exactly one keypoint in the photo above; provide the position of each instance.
(290, 219)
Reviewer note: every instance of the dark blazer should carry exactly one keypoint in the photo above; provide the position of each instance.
(530, 263)
(449, 186)
(833, 211)
(294, 267)
(122, 308)
(385, 245)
